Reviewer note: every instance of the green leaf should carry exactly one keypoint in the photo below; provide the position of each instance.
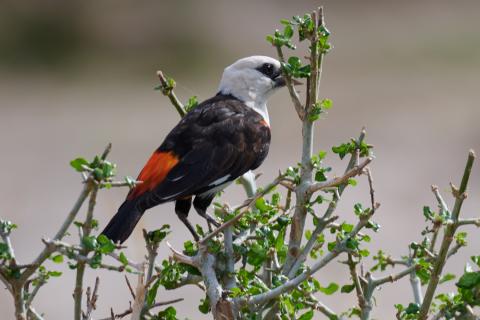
(96, 260)
(98, 174)
(7, 226)
(288, 32)
(189, 248)
(331, 245)
(168, 314)
(343, 149)
(346, 227)
(123, 259)
(204, 307)
(191, 104)
(447, 277)
(294, 61)
(78, 164)
(320, 176)
(469, 280)
(58, 258)
(269, 39)
(461, 238)
(4, 251)
(152, 293)
(279, 242)
(54, 273)
(261, 205)
(288, 306)
(306, 316)
(352, 244)
(364, 252)
(256, 255)
(330, 289)
(476, 260)
(159, 235)
(358, 209)
(276, 198)
(90, 242)
(412, 308)
(427, 213)
(347, 288)
(326, 103)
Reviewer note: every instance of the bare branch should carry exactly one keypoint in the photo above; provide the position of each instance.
(92, 298)
(291, 88)
(472, 221)
(394, 277)
(352, 266)
(319, 306)
(129, 285)
(416, 285)
(155, 305)
(180, 257)
(118, 184)
(335, 182)
(81, 265)
(33, 314)
(442, 205)
(139, 302)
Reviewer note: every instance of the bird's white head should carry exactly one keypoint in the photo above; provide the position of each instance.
(252, 80)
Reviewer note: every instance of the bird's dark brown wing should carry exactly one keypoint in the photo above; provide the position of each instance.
(215, 143)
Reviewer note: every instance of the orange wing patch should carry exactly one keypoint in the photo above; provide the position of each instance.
(156, 169)
(264, 123)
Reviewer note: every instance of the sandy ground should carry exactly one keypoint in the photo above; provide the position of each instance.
(410, 74)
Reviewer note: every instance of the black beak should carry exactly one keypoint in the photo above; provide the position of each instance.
(280, 81)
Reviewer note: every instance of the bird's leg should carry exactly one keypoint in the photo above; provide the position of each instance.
(201, 204)
(182, 207)
(210, 229)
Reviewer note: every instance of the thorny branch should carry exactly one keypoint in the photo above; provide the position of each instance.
(460, 195)
(302, 192)
(222, 304)
(91, 300)
(86, 230)
(291, 88)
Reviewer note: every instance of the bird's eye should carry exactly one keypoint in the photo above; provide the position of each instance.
(267, 69)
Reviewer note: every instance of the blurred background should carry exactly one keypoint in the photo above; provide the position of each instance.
(75, 75)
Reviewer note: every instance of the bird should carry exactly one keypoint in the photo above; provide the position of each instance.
(215, 143)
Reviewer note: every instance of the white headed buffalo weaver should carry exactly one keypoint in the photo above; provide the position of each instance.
(215, 143)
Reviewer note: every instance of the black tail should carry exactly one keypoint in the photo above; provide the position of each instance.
(123, 222)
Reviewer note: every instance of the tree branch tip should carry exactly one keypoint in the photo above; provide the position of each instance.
(107, 150)
(471, 153)
(180, 257)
